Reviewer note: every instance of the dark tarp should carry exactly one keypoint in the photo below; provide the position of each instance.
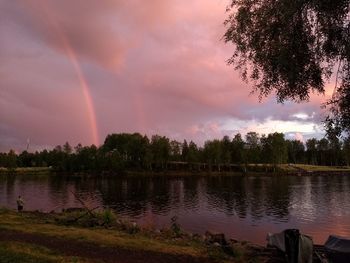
(338, 244)
(298, 247)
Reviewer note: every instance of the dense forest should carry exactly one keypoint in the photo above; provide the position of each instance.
(121, 152)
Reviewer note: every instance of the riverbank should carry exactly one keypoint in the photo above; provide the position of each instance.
(100, 237)
(238, 170)
(26, 171)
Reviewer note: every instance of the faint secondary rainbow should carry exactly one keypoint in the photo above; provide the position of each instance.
(82, 81)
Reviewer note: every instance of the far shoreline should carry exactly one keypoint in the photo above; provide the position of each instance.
(251, 171)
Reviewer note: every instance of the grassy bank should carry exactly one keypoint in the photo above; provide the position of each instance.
(13, 251)
(41, 237)
(249, 169)
(319, 168)
(26, 171)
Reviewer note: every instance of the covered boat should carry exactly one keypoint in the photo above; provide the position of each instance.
(297, 247)
(338, 249)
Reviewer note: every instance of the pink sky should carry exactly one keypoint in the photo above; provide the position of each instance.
(150, 66)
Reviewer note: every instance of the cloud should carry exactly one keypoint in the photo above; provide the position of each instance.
(299, 137)
(82, 24)
(151, 66)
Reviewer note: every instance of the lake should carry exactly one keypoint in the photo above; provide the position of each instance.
(244, 208)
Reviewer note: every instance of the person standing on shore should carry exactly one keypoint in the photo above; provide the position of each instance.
(20, 204)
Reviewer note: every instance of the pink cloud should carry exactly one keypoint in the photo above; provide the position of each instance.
(299, 137)
(152, 66)
(83, 24)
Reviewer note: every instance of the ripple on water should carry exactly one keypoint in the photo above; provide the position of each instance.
(245, 208)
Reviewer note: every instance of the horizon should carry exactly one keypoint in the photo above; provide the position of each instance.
(155, 68)
(29, 149)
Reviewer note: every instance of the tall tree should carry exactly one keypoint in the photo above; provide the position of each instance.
(184, 151)
(160, 148)
(295, 151)
(275, 148)
(26, 159)
(11, 159)
(67, 148)
(226, 149)
(213, 152)
(193, 153)
(175, 150)
(311, 151)
(237, 149)
(323, 151)
(292, 48)
(335, 149)
(346, 151)
(253, 147)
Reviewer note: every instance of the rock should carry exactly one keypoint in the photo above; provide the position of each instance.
(216, 244)
(256, 248)
(196, 237)
(228, 250)
(73, 209)
(215, 238)
(233, 241)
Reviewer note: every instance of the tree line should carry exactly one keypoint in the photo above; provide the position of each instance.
(125, 151)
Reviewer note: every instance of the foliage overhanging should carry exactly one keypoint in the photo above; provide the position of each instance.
(292, 48)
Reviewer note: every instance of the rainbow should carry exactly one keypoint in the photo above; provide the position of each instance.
(86, 91)
(82, 81)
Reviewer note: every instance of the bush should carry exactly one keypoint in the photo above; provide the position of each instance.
(175, 227)
(108, 217)
(86, 219)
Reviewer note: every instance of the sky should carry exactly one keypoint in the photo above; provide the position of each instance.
(78, 70)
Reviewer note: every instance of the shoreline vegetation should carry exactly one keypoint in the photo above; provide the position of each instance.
(127, 153)
(79, 235)
(238, 170)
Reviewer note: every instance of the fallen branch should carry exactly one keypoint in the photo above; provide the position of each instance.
(83, 204)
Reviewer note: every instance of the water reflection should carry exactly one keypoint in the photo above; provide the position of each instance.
(242, 207)
(191, 188)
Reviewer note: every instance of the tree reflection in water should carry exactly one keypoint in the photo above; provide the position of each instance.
(241, 207)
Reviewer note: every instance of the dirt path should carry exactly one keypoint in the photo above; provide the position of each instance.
(95, 252)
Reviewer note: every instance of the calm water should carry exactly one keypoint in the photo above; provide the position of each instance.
(241, 207)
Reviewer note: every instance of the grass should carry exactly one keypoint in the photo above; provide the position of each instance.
(252, 169)
(168, 241)
(29, 223)
(146, 240)
(319, 168)
(26, 171)
(295, 168)
(18, 252)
